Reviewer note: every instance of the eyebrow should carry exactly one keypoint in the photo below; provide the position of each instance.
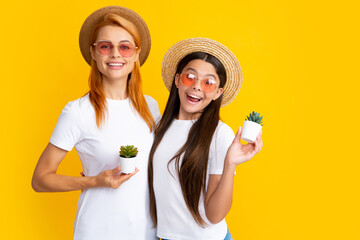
(125, 41)
(209, 75)
(111, 41)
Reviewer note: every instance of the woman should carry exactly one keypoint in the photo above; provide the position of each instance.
(194, 155)
(115, 41)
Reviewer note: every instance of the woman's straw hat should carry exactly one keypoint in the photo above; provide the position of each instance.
(97, 16)
(183, 48)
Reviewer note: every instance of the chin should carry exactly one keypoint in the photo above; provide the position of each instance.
(193, 109)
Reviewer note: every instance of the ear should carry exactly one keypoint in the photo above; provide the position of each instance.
(92, 53)
(177, 76)
(137, 54)
(218, 93)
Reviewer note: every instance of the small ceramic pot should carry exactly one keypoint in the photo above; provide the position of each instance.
(127, 165)
(250, 131)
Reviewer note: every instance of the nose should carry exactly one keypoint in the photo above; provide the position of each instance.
(197, 85)
(115, 53)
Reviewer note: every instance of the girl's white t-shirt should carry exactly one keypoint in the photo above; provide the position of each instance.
(174, 219)
(106, 213)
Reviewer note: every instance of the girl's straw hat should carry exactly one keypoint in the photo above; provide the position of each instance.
(183, 48)
(97, 16)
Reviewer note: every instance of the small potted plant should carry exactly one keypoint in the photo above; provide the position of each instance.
(252, 127)
(128, 155)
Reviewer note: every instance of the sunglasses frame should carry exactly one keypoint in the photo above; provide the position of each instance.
(106, 41)
(201, 81)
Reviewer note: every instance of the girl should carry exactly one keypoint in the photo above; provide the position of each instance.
(194, 155)
(115, 41)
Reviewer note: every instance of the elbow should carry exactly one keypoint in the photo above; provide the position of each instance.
(214, 219)
(36, 185)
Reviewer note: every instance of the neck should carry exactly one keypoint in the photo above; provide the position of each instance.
(115, 89)
(187, 116)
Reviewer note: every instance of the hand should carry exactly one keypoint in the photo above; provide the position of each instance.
(239, 153)
(112, 178)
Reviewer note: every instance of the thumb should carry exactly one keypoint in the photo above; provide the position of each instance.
(238, 135)
(127, 176)
(116, 170)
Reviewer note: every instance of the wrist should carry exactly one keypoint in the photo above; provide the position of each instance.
(90, 182)
(229, 166)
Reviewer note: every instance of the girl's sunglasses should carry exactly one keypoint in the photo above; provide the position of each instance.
(104, 48)
(207, 84)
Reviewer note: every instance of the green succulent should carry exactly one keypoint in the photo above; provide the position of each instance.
(128, 151)
(255, 117)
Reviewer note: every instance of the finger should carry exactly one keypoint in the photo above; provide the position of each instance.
(256, 143)
(260, 140)
(238, 135)
(130, 174)
(125, 177)
(259, 135)
(133, 173)
(259, 144)
(136, 171)
(116, 170)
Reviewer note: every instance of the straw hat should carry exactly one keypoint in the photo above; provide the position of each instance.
(97, 16)
(183, 48)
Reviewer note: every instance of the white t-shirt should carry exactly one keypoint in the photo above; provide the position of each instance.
(106, 213)
(174, 218)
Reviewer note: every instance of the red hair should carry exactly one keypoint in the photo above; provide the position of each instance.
(134, 83)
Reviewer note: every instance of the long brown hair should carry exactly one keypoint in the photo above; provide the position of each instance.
(134, 83)
(193, 170)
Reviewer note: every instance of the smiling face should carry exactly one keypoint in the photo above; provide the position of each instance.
(114, 66)
(193, 99)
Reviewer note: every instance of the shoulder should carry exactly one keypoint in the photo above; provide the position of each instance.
(223, 136)
(78, 107)
(79, 104)
(224, 130)
(222, 139)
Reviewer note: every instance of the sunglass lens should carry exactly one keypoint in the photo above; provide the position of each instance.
(104, 48)
(126, 49)
(188, 79)
(208, 85)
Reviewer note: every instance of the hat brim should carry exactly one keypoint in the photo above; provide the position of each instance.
(183, 48)
(97, 16)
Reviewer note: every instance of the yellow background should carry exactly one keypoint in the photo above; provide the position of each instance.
(300, 63)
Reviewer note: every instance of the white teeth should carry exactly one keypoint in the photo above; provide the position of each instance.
(193, 96)
(115, 64)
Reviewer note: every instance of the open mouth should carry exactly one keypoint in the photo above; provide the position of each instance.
(193, 99)
(113, 65)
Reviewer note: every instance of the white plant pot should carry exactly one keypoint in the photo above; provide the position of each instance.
(128, 164)
(250, 131)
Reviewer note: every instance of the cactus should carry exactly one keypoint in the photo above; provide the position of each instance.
(128, 151)
(255, 117)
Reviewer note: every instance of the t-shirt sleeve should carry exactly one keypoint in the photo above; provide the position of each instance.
(67, 131)
(222, 140)
(154, 108)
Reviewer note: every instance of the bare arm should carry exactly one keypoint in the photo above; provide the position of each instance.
(218, 198)
(45, 178)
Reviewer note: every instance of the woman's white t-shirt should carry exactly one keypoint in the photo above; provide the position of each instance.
(174, 219)
(106, 213)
